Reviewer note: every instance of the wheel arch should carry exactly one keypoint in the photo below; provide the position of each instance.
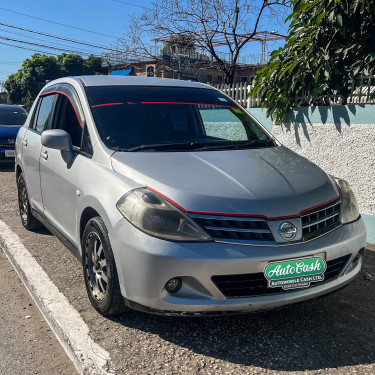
(87, 214)
(18, 171)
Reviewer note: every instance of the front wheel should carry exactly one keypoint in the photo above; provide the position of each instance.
(99, 269)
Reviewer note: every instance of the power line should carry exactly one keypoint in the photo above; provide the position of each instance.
(42, 45)
(58, 23)
(59, 37)
(126, 3)
(30, 49)
(134, 55)
(40, 39)
(10, 62)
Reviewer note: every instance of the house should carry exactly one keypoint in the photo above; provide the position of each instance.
(183, 64)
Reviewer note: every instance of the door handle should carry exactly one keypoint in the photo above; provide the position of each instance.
(45, 155)
(25, 142)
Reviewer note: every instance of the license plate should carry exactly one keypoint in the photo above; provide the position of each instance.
(295, 273)
(10, 153)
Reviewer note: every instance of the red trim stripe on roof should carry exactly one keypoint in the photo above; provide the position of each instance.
(213, 105)
(105, 104)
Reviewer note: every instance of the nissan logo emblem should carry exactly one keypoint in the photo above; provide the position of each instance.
(287, 230)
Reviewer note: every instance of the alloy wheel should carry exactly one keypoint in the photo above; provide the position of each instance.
(96, 266)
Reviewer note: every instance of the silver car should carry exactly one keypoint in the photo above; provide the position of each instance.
(178, 201)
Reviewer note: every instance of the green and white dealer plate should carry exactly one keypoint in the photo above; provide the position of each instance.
(295, 273)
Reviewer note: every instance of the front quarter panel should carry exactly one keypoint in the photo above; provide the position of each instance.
(100, 188)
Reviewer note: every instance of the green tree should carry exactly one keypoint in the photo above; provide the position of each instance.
(24, 85)
(331, 44)
(92, 65)
(70, 64)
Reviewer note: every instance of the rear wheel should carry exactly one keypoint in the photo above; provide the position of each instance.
(27, 218)
(99, 269)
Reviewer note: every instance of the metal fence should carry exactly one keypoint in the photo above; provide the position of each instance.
(361, 95)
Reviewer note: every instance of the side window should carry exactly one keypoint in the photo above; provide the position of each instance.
(66, 119)
(44, 113)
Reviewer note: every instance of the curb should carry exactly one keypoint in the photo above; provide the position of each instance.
(66, 323)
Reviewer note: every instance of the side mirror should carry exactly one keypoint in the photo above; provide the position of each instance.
(59, 140)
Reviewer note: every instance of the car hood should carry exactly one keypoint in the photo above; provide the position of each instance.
(271, 182)
(9, 131)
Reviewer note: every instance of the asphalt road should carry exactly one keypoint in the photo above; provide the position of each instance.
(27, 343)
(332, 335)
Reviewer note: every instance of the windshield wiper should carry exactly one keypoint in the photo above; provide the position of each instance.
(196, 146)
(250, 144)
(165, 146)
(257, 143)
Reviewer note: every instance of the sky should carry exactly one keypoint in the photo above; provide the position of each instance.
(109, 17)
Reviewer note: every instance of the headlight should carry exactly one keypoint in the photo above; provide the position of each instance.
(154, 215)
(350, 211)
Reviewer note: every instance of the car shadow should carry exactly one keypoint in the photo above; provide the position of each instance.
(334, 331)
(43, 231)
(7, 167)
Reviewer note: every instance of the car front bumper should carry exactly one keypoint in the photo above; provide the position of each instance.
(145, 264)
(6, 159)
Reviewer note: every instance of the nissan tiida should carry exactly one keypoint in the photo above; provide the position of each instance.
(178, 201)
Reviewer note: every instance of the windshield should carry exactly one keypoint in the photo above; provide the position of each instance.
(12, 115)
(135, 118)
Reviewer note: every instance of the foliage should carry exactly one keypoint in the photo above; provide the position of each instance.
(24, 85)
(330, 45)
(211, 25)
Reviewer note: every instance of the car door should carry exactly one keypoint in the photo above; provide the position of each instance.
(31, 147)
(59, 179)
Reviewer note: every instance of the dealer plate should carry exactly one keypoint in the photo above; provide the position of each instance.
(295, 273)
(10, 153)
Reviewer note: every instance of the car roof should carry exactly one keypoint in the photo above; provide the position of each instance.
(137, 81)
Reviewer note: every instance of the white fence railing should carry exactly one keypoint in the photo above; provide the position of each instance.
(239, 93)
(361, 95)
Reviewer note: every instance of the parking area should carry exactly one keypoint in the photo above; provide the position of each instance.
(333, 335)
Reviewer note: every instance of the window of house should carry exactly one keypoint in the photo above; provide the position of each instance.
(209, 78)
(150, 71)
(220, 78)
(243, 79)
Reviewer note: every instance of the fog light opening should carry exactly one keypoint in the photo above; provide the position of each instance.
(358, 256)
(173, 285)
(355, 260)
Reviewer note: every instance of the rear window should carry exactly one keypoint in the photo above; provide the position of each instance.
(133, 116)
(12, 115)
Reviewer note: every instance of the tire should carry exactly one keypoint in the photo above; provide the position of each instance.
(99, 269)
(27, 218)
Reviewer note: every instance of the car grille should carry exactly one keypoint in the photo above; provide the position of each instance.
(235, 229)
(255, 284)
(321, 220)
(7, 142)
